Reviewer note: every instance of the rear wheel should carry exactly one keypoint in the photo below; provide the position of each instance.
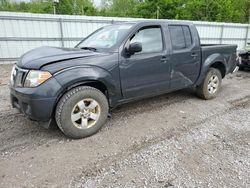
(211, 85)
(81, 112)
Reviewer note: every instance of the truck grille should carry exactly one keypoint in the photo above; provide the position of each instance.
(18, 76)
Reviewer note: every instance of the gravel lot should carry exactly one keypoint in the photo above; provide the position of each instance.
(174, 140)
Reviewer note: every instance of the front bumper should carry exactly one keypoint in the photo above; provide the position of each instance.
(37, 103)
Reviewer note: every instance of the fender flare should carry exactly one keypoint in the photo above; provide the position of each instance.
(80, 75)
(209, 62)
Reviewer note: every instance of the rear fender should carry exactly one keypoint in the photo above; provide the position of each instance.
(209, 62)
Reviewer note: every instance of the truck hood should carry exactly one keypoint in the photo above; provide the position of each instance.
(39, 57)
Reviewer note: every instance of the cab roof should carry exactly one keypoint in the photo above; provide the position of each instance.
(146, 22)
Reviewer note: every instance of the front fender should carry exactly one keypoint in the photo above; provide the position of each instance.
(81, 74)
(208, 62)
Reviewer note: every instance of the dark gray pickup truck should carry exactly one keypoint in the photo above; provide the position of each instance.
(116, 64)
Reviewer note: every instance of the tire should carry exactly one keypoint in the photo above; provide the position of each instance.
(204, 90)
(241, 68)
(81, 112)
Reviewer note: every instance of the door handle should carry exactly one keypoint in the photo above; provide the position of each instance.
(194, 55)
(164, 59)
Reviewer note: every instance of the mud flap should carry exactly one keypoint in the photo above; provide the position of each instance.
(47, 124)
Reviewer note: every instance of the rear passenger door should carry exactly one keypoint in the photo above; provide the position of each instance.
(185, 58)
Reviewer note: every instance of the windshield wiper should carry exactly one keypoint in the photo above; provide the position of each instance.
(89, 48)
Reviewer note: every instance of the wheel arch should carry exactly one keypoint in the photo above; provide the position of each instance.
(220, 66)
(89, 76)
(213, 61)
(92, 83)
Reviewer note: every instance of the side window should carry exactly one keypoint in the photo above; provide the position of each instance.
(177, 37)
(180, 36)
(188, 37)
(150, 38)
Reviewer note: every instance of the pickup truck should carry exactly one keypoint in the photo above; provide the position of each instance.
(77, 87)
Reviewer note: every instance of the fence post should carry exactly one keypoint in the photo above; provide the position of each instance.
(221, 33)
(247, 31)
(61, 32)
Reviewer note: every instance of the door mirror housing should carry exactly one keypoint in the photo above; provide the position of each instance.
(134, 48)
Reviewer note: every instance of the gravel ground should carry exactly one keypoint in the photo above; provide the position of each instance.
(174, 140)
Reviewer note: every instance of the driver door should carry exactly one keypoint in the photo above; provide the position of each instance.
(146, 72)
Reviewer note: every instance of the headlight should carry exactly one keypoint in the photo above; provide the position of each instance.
(35, 78)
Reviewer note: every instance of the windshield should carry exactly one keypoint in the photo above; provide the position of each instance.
(105, 37)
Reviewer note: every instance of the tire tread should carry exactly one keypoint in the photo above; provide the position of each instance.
(66, 97)
(201, 90)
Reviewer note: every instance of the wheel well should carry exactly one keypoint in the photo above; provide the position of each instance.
(96, 84)
(220, 66)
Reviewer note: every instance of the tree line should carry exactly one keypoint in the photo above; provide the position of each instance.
(203, 10)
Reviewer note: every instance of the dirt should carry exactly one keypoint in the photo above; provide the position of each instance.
(173, 140)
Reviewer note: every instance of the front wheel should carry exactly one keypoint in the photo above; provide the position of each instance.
(211, 85)
(81, 112)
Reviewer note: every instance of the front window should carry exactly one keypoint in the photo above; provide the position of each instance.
(150, 38)
(106, 37)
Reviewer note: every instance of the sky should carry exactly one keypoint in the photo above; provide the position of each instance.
(97, 2)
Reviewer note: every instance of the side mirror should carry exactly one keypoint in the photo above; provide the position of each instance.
(134, 48)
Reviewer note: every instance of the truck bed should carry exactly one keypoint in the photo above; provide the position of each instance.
(227, 51)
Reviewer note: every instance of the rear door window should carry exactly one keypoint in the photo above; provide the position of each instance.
(187, 35)
(177, 37)
(180, 36)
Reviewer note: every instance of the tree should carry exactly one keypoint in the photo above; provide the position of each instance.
(4, 5)
(204, 10)
(216, 10)
(166, 9)
(119, 8)
(34, 6)
(244, 9)
(76, 7)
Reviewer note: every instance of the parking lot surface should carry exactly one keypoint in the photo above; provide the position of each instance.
(173, 140)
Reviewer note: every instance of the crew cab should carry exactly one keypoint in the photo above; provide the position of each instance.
(116, 64)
